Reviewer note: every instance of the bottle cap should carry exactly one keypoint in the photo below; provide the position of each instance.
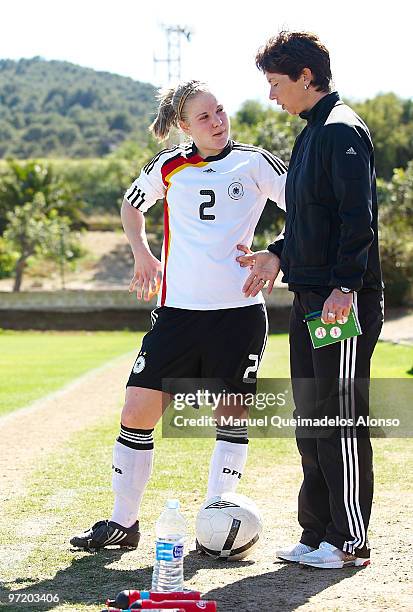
(173, 504)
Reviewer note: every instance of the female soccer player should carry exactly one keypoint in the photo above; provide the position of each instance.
(214, 191)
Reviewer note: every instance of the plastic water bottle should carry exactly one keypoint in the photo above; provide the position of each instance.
(168, 569)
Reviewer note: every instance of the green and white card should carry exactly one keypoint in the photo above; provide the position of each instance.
(323, 334)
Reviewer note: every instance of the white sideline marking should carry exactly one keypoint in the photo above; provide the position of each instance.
(61, 499)
(37, 526)
(13, 554)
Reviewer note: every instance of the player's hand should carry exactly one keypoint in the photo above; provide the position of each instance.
(337, 307)
(147, 276)
(264, 265)
(241, 260)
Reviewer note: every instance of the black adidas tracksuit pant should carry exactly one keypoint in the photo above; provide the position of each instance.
(334, 502)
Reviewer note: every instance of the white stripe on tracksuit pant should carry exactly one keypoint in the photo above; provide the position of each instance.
(335, 498)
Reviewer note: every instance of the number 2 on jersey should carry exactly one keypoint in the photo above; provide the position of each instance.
(204, 205)
(252, 369)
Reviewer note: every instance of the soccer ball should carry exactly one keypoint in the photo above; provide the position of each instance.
(228, 526)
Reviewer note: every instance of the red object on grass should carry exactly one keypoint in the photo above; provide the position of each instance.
(125, 599)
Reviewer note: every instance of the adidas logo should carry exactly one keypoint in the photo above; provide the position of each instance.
(209, 170)
(351, 151)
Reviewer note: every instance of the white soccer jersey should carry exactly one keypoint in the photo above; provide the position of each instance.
(210, 206)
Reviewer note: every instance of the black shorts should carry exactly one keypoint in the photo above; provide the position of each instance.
(223, 346)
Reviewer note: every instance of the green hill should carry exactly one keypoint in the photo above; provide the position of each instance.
(59, 109)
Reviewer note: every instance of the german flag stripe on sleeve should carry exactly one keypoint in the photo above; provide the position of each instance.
(179, 163)
(167, 241)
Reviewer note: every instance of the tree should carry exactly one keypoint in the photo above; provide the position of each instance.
(267, 128)
(279, 140)
(390, 121)
(396, 234)
(251, 113)
(25, 179)
(401, 196)
(33, 230)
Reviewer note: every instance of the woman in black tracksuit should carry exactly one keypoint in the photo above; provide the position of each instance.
(329, 256)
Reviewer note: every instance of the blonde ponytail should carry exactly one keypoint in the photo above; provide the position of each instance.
(166, 117)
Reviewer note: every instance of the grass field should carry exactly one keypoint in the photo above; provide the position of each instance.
(33, 364)
(25, 357)
(69, 487)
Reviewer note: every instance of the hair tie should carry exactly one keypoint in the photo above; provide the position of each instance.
(182, 102)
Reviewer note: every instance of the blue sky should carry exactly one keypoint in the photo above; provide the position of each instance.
(366, 39)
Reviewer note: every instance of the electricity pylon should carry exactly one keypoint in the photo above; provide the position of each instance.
(174, 36)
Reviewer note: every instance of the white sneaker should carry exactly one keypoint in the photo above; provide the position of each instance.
(293, 553)
(329, 557)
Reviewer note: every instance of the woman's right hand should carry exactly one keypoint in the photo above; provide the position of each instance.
(264, 267)
(147, 276)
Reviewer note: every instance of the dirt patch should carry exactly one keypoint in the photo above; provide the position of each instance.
(398, 326)
(108, 264)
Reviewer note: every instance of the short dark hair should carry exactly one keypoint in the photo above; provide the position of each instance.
(290, 52)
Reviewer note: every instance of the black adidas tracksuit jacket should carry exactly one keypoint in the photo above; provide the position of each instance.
(330, 240)
(330, 237)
